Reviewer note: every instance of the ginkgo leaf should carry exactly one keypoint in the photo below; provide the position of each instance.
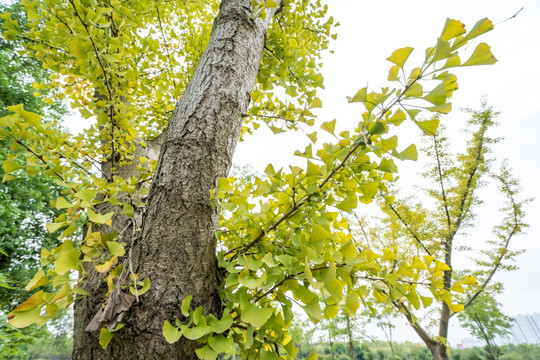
(38, 280)
(256, 315)
(400, 56)
(99, 218)
(481, 27)
(393, 73)
(62, 203)
(313, 310)
(171, 333)
(410, 153)
(428, 127)
(105, 337)
(329, 126)
(10, 166)
(452, 28)
(220, 343)
(23, 319)
(194, 333)
(30, 117)
(206, 353)
(437, 96)
(481, 56)
(184, 308)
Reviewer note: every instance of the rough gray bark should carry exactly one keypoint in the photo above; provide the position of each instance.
(85, 344)
(177, 247)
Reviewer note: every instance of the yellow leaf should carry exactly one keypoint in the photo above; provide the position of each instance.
(481, 56)
(400, 56)
(62, 203)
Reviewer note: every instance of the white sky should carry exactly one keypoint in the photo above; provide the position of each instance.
(368, 34)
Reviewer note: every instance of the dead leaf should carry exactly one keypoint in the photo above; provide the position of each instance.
(112, 312)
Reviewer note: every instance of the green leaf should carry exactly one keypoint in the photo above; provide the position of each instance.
(400, 56)
(250, 282)
(409, 153)
(21, 319)
(220, 343)
(52, 227)
(397, 118)
(206, 353)
(481, 56)
(98, 218)
(319, 233)
(426, 300)
(317, 103)
(335, 289)
(437, 96)
(8, 177)
(145, 287)
(329, 126)
(413, 112)
(360, 96)
(67, 261)
(376, 128)
(194, 333)
(442, 50)
(10, 166)
(185, 305)
(198, 317)
(390, 143)
(413, 298)
(428, 127)
(116, 248)
(105, 337)
(86, 195)
(452, 61)
(38, 280)
(171, 333)
(255, 315)
(443, 108)
(330, 311)
(481, 27)
(414, 90)
(370, 189)
(387, 165)
(220, 326)
(393, 74)
(128, 210)
(30, 117)
(313, 310)
(415, 73)
(452, 28)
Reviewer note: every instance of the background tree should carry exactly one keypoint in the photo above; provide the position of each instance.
(384, 321)
(437, 232)
(485, 321)
(149, 253)
(25, 203)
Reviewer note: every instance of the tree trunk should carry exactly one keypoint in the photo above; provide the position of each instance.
(350, 335)
(438, 350)
(177, 246)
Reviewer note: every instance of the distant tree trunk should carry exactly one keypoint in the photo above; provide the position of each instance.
(350, 336)
(177, 246)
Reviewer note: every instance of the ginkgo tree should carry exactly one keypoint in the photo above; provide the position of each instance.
(438, 224)
(161, 272)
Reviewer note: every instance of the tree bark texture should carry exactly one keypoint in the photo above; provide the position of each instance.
(177, 246)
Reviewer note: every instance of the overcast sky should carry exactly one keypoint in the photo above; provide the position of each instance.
(369, 32)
